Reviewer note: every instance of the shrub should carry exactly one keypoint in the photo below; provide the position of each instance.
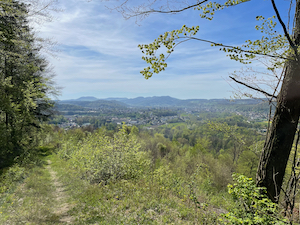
(100, 158)
(252, 207)
(14, 174)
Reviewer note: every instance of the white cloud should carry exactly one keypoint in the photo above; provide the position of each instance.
(99, 54)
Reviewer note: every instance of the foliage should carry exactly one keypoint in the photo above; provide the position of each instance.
(272, 44)
(252, 205)
(25, 83)
(12, 175)
(134, 201)
(133, 176)
(100, 158)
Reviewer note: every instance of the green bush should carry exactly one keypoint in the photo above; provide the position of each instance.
(252, 207)
(100, 158)
(13, 175)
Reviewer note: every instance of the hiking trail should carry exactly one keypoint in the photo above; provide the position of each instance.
(60, 194)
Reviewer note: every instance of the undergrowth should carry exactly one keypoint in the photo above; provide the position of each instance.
(156, 199)
(29, 201)
(115, 179)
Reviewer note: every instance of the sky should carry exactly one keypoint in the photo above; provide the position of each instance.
(98, 54)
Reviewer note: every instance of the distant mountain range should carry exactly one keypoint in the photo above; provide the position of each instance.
(162, 101)
(92, 104)
(87, 98)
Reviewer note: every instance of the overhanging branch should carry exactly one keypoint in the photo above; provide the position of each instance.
(143, 10)
(178, 10)
(233, 47)
(175, 11)
(253, 88)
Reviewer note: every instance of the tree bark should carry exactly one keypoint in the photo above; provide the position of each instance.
(281, 135)
(279, 142)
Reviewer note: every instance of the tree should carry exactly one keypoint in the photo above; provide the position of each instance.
(230, 133)
(25, 82)
(280, 49)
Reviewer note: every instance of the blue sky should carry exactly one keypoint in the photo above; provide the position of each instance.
(99, 55)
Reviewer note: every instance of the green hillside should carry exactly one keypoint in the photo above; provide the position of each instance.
(175, 174)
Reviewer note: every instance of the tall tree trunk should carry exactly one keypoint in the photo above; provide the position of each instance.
(280, 139)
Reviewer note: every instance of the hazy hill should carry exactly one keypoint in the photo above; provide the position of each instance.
(85, 103)
(85, 98)
(163, 101)
(95, 104)
(69, 107)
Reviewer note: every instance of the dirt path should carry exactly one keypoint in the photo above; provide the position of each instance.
(61, 196)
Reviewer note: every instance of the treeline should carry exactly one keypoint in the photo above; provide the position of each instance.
(25, 83)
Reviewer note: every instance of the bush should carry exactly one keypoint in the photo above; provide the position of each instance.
(13, 175)
(252, 207)
(100, 158)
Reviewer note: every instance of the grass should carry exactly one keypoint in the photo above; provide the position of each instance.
(154, 198)
(149, 199)
(146, 200)
(127, 202)
(31, 201)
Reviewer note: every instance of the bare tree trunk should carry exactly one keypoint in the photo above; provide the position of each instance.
(280, 139)
(279, 142)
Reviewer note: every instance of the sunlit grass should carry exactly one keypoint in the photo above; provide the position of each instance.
(31, 202)
(137, 201)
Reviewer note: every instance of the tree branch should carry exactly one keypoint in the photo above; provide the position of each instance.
(289, 14)
(228, 46)
(45, 7)
(254, 88)
(278, 83)
(144, 10)
(286, 34)
(174, 11)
